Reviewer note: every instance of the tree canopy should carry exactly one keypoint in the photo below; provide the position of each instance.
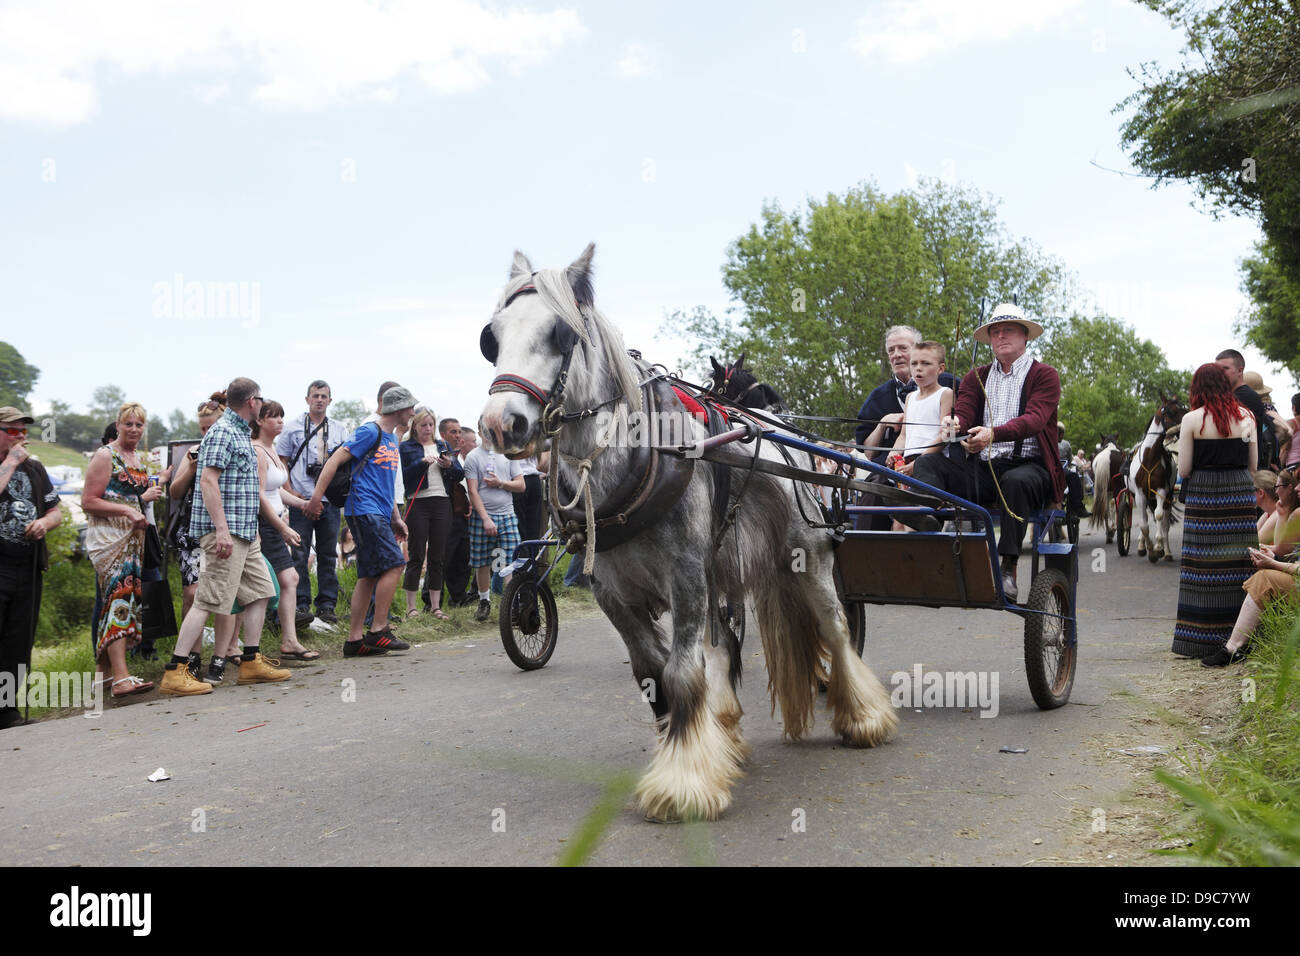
(817, 288)
(16, 377)
(1111, 379)
(1227, 120)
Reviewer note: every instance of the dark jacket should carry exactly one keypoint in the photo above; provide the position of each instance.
(886, 398)
(1042, 396)
(415, 468)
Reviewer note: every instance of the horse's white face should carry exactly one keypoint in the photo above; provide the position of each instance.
(530, 341)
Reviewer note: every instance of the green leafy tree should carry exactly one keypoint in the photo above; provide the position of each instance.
(1227, 120)
(817, 288)
(16, 377)
(351, 412)
(105, 402)
(1111, 380)
(180, 425)
(1272, 322)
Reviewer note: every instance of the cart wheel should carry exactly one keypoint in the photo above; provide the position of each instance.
(1049, 660)
(1123, 525)
(529, 622)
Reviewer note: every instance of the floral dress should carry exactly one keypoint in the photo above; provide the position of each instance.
(116, 549)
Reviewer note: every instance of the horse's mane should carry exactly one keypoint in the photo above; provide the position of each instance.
(562, 296)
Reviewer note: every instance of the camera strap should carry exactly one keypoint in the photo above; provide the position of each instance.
(306, 441)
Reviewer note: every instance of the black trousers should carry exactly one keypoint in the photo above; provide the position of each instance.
(456, 559)
(20, 602)
(428, 523)
(1025, 484)
(528, 508)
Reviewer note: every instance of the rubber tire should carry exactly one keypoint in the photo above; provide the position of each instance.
(517, 592)
(1123, 526)
(1050, 592)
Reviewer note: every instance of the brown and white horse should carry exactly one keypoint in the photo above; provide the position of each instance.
(1151, 478)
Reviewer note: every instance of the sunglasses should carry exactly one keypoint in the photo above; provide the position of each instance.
(15, 430)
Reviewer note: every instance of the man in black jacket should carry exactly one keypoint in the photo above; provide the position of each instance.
(29, 509)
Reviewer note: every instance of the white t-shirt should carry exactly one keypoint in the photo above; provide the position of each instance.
(496, 501)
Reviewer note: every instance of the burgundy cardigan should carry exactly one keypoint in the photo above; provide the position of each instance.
(1043, 384)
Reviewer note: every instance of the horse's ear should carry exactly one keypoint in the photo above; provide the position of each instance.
(520, 266)
(740, 362)
(579, 276)
(716, 366)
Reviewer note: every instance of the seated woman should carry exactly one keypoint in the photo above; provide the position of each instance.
(1275, 579)
(1266, 501)
(1279, 527)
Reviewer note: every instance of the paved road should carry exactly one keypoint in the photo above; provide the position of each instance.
(449, 739)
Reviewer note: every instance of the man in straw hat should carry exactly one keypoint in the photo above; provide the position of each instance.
(1008, 411)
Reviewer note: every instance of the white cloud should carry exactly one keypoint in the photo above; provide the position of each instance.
(904, 31)
(211, 92)
(638, 60)
(301, 54)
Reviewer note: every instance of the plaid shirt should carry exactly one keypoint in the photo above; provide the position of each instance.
(1003, 404)
(228, 445)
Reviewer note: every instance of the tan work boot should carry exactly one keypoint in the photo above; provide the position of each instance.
(179, 681)
(261, 670)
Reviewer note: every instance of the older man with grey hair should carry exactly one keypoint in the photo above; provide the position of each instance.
(883, 410)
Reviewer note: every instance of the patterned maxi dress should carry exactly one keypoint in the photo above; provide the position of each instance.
(116, 550)
(1218, 527)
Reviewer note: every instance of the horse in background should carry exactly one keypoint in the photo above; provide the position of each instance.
(1106, 476)
(649, 519)
(740, 385)
(1151, 477)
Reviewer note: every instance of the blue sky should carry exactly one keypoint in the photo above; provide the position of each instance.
(366, 171)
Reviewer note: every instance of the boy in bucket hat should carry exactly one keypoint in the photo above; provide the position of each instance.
(373, 517)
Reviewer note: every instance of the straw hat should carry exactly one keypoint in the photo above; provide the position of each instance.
(1006, 312)
(1256, 382)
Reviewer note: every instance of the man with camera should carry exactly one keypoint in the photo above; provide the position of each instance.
(304, 446)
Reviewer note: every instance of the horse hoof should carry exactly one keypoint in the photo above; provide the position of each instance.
(1154, 556)
(1110, 537)
(1142, 553)
(1169, 556)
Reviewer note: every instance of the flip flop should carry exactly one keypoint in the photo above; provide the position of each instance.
(300, 655)
(137, 686)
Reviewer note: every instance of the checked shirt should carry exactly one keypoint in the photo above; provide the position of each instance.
(1003, 404)
(228, 445)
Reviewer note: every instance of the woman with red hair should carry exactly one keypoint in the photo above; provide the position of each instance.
(1217, 454)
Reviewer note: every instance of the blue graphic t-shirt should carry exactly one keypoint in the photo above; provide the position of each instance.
(374, 482)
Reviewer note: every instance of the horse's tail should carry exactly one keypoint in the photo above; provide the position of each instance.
(793, 651)
(1101, 491)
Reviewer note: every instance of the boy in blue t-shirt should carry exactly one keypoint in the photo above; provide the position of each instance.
(373, 518)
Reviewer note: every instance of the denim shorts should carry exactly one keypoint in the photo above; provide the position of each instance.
(377, 548)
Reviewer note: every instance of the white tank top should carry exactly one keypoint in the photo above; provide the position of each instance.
(276, 476)
(922, 416)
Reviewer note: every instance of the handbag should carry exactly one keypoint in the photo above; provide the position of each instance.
(159, 617)
(152, 556)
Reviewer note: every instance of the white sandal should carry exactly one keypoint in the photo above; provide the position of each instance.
(137, 686)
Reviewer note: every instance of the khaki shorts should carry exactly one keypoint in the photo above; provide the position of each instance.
(241, 577)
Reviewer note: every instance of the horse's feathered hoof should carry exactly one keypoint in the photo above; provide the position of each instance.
(1142, 552)
(1110, 537)
(870, 731)
(1169, 556)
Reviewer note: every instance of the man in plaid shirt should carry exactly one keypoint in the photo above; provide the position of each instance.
(1009, 410)
(224, 521)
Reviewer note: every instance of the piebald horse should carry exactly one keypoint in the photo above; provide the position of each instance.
(1151, 477)
(657, 574)
(1106, 477)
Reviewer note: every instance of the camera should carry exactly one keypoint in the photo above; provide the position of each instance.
(313, 471)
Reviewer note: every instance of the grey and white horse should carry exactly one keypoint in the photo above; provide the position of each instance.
(659, 588)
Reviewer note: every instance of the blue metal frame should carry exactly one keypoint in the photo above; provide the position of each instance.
(1064, 557)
